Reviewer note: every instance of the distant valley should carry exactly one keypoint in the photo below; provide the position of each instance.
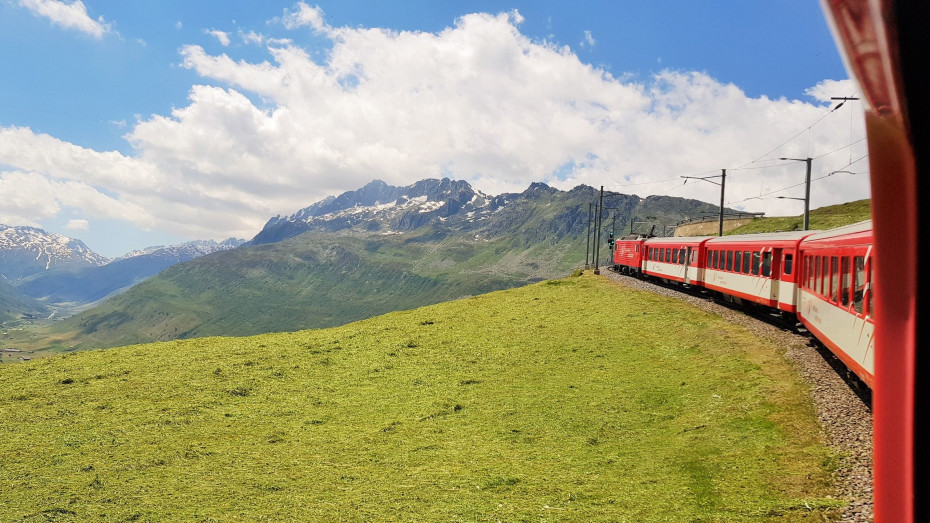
(46, 275)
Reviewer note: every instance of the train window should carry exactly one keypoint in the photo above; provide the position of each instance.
(869, 289)
(737, 260)
(845, 277)
(766, 264)
(789, 263)
(756, 261)
(810, 272)
(729, 260)
(815, 263)
(716, 259)
(834, 279)
(746, 262)
(636, 248)
(824, 274)
(859, 282)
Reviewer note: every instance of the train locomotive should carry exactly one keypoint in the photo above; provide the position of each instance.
(820, 279)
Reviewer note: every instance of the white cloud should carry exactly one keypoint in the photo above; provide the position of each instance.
(71, 15)
(251, 37)
(304, 15)
(478, 101)
(588, 40)
(77, 225)
(178, 25)
(828, 89)
(222, 36)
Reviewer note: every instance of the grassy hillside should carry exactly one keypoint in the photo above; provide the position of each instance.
(309, 281)
(14, 305)
(569, 400)
(822, 219)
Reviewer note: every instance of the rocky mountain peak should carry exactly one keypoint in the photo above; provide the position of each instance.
(29, 250)
(379, 206)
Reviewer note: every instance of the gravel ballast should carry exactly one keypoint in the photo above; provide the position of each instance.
(845, 416)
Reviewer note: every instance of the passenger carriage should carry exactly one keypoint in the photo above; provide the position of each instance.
(836, 298)
(755, 268)
(678, 260)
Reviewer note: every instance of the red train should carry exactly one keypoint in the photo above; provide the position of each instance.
(821, 279)
(884, 44)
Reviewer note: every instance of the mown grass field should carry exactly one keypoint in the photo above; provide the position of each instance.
(568, 400)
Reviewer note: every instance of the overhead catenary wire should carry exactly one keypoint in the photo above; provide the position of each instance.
(766, 163)
(831, 173)
(789, 140)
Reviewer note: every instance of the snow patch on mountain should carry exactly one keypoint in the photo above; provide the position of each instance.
(185, 251)
(28, 250)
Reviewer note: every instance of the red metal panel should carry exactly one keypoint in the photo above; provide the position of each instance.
(866, 32)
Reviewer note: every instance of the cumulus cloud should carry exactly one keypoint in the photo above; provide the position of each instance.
(477, 101)
(827, 89)
(304, 15)
(71, 15)
(222, 36)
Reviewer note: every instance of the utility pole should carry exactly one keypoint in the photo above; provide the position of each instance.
(807, 191)
(722, 184)
(597, 232)
(587, 249)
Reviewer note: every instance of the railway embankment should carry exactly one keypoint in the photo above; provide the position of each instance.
(845, 416)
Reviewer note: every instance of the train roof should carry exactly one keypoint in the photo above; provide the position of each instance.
(679, 239)
(787, 236)
(861, 227)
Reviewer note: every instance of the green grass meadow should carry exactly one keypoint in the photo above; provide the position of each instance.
(567, 400)
(821, 219)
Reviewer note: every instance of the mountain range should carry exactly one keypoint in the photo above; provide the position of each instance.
(366, 252)
(25, 251)
(83, 285)
(43, 273)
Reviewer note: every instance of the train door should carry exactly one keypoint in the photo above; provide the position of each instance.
(689, 267)
(775, 261)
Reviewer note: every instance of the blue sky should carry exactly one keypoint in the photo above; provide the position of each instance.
(128, 124)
